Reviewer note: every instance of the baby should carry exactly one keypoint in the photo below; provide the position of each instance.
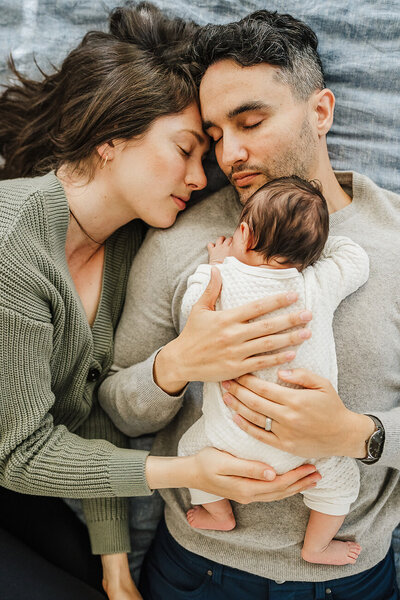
(281, 245)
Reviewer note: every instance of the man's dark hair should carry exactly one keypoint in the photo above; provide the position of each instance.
(264, 37)
(288, 217)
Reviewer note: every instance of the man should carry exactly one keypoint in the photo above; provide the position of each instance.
(265, 105)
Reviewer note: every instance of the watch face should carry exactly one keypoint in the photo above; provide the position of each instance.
(375, 444)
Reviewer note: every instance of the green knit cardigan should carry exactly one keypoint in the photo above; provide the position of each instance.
(55, 440)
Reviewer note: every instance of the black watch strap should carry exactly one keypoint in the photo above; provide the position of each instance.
(375, 443)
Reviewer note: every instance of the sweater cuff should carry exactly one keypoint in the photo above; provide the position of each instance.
(133, 400)
(154, 389)
(109, 537)
(391, 450)
(127, 472)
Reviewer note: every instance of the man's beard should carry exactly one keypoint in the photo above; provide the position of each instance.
(297, 160)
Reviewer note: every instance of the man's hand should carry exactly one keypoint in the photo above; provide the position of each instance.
(219, 251)
(117, 580)
(310, 422)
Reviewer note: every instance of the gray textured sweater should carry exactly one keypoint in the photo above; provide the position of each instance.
(51, 363)
(269, 536)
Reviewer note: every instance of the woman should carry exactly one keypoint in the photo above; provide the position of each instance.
(117, 139)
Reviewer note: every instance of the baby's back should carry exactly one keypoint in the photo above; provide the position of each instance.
(241, 284)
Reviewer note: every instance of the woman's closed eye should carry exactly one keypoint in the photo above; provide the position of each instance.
(184, 152)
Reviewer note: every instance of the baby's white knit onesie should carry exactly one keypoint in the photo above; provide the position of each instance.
(341, 270)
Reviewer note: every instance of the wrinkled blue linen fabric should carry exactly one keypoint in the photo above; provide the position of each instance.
(359, 45)
(360, 49)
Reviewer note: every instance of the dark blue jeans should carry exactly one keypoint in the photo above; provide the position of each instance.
(172, 573)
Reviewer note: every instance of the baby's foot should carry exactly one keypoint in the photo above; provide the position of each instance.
(199, 518)
(336, 553)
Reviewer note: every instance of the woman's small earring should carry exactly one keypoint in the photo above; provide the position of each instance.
(103, 161)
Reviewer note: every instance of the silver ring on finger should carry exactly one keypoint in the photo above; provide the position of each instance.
(268, 424)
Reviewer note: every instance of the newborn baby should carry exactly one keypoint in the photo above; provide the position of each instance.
(281, 244)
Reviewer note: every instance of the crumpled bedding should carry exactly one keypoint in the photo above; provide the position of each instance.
(359, 45)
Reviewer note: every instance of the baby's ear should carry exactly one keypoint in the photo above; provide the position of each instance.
(246, 234)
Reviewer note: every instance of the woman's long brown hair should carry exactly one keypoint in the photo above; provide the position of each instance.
(113, 85)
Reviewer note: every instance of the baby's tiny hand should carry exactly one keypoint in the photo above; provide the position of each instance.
(219, 251)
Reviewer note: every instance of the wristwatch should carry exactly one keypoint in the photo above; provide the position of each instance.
(375, 443)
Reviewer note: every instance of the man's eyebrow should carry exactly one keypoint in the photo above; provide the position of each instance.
(245, 107)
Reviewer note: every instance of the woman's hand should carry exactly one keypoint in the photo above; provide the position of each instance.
(117, 580)
(216, 345)
(225, 475)
(310, 422)
(247, 481)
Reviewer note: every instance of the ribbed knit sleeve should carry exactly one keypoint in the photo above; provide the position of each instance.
(37, 456)
(108, 518)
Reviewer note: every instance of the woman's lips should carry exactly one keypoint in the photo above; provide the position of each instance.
(181, 204)
(243, 179)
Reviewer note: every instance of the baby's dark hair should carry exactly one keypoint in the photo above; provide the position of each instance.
(288, 218)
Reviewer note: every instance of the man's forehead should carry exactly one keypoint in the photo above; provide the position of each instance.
(228, 87)
(231, 72)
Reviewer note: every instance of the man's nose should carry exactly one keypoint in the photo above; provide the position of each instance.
(233, 150)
